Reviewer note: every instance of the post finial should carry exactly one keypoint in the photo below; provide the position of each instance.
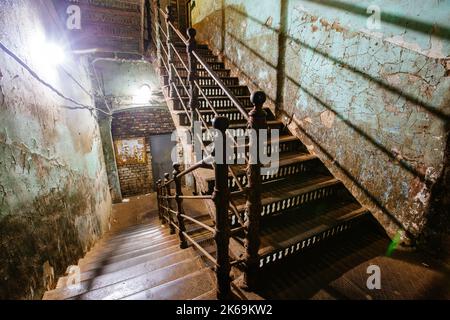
(176, 167)
(258, 98)
(167, 175)
(221, 123)
(191, 32)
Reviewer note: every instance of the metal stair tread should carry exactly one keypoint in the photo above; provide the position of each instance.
(286, 188)
(302, 227)
(285, 159)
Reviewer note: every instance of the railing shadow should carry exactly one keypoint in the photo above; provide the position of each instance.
(409, 98)
(394, 157)
(395, 19)
(355, 181)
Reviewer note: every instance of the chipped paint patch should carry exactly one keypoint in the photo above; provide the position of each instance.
(327, 118)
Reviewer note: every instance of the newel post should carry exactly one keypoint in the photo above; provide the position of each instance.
(170, 50)
(168, 202)
(221, 198)
(257, 121)
(192, 76)
(180, 210)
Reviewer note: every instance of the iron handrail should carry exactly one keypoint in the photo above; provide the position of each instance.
(201, 224)
(211, 72)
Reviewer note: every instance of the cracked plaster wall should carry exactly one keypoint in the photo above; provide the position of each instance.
(54, 197)
(373, 104)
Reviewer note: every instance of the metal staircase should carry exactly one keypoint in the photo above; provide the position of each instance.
(256, 220)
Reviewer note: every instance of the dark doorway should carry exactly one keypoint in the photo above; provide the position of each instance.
(161, 149)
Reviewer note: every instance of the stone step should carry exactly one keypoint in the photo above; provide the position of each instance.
(104, 280)
(129, 244)
(142, 266)
(105, 267)
(142, 282)
(186, 288)
(208, 296)
(123, 253)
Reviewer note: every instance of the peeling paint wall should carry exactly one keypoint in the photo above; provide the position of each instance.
(372, 103)
(54, 199)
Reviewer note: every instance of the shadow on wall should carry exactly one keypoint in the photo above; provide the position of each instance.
(439, 30)
(280, 70)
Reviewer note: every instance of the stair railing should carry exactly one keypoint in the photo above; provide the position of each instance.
(249, 222)
(221, 231)
(194, 88)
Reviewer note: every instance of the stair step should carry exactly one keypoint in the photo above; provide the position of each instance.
(298, 190)
(188, 287)
(233, 114)
(113, 256)
(304, 228)
(142, 282)
(129, 244)
(201, 72)
(206, 81)
(143, 265)
(206, 56)
(218, 102)
(272, 124)
(100, 281)
(289, 164)
(215, 90)
(133, 235)
(208, 296)
(183, 45)
(105, 267)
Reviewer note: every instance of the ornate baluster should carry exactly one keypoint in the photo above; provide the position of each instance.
(158, 198)
(192, 77)
(257, 121)
(162, 192)
(157, 6)
(170, 52)
(179, 201)
(168, 203)
(221, 200)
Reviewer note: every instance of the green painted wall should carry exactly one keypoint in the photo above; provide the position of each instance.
(372, 103)
(54, 197)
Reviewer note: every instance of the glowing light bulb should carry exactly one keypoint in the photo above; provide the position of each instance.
(143, 95)
(46, 56)
(55, 54)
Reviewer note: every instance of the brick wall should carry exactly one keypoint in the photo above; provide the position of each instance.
(136, 179)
